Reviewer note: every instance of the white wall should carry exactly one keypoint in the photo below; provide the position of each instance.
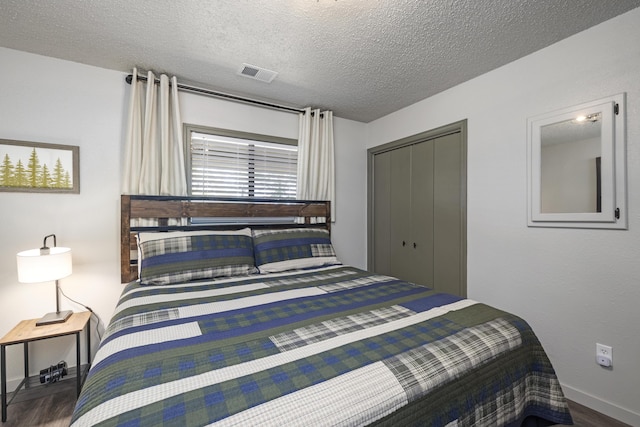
(575, 287)
(49, 100)
(349, 233)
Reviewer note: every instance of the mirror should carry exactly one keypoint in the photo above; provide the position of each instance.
(576, 161)
(570, 158)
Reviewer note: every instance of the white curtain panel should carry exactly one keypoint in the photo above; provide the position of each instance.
(150, 168)
(316, 163)
(154, 153)
(133, 138)
(173, 180)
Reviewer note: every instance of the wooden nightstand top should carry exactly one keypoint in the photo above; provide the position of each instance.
(27, 330)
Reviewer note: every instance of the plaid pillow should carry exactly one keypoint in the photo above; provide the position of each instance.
(293, 248)
(195, 256)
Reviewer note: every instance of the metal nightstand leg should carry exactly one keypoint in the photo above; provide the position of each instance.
(88, 339)
(3, 373)
(26, 364)
(78, 369)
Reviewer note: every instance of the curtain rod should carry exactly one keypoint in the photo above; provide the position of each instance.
(236, 98)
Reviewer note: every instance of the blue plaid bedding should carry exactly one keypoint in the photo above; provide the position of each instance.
(330, 346)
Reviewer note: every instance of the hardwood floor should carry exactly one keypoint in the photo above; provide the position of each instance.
(49, 406)
(585, 417)
(52, 406)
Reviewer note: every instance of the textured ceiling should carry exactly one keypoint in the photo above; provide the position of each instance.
(362, 59)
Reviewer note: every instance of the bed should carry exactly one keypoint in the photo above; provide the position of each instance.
(260, 324)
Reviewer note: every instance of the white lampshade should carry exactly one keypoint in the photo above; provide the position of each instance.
(34, 267)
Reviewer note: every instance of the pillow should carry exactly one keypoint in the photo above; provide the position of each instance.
(178, 257)
(293, 248)
(145, 236)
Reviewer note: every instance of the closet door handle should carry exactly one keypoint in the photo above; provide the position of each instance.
(414, 245)
(404, 243)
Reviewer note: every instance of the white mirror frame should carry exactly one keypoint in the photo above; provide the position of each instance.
(613, 214)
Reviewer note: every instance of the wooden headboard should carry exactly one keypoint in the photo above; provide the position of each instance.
(165, 208)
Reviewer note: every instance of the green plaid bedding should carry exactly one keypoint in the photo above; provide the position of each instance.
(330, 346)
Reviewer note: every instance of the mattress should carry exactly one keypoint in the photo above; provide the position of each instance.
(333, 345)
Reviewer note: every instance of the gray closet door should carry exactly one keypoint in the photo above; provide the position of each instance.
(419, 194)
(400, 213)
(420, 233)
(447, 216)
(382, 208)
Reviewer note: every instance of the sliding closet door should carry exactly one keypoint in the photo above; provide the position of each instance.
(403, 229)
(382, 208)
(401, 263)
(421, 251)
(417, 205)
(448, 222)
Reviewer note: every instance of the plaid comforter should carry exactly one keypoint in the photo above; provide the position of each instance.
(331, 346)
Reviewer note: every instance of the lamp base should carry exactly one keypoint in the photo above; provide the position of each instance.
(59, 317)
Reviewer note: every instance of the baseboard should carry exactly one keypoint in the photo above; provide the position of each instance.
(614, 411)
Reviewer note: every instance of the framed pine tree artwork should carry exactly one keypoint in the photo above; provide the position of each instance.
(39, 167)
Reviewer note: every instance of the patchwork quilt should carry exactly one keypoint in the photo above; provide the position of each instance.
(328, 346)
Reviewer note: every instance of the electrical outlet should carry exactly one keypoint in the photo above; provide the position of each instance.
(604, 355)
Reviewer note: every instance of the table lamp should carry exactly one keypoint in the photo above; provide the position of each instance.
(46, 265)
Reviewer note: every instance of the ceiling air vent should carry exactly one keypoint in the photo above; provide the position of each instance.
(257, 73)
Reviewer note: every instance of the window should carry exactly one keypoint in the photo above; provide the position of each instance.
(225, 163)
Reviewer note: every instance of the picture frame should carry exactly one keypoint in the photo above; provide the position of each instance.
(36, 167)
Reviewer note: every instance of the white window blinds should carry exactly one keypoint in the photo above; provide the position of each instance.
(224, 166)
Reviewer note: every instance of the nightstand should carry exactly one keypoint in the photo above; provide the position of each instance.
(27, 331)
